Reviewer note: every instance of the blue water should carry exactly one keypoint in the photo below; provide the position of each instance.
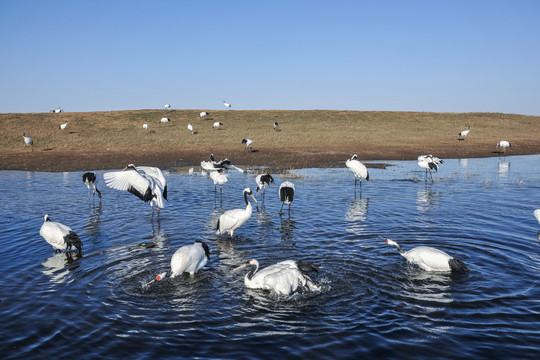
(372, 303)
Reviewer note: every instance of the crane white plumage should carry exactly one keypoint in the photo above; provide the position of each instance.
(286, 195)
(224, 164)
(145, 126)
(167, 106)
(59, 236)
(429, 162)
(231, 220)
(276, 126)
(143, 182)
(429, 258)
(187, 259)
(219, 178)
(358, 169)
(504, 144)
(248, 143)
(190, 127)
(28, 141)
(63, 126)
(90, 179)
(464, 133)
(263, 180)
(537, 216)
(164, 120)
(227, 105)
(203, 114)
(217, 124)
(284, 278)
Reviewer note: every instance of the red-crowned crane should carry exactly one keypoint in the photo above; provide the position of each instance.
(429, 258)
(232, 219)
(284, 278)
(59, 236)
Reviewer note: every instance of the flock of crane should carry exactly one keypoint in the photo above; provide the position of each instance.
(284, 278)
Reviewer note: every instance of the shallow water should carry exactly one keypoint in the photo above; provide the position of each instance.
(372, 302)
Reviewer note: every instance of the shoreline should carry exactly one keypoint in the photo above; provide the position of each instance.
(305, 139)
(277, 160)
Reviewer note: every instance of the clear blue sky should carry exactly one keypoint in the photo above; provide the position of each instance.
(443, 56)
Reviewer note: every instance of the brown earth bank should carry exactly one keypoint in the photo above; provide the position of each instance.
(111, 140)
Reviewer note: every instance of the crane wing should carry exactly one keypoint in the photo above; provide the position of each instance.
(131, 181)
(157, 174)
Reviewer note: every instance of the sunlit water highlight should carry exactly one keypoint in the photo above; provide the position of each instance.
(372, 303)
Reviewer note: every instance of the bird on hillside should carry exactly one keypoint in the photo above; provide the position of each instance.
(232, 219)
(59, 236)
(90, 179)
(217, 124)
(164, 120)
(227, 105)
(504, 144)
(147, 183)
(145, 126)
(28, 141)
(429, 258)
(63, 126)
(248, 143)
(464, 133)
(284, 278)
(203, 114)
(276, 126)
(358, 169)
(286, 195)
(167, 106)
(190, 127)
(263, 180)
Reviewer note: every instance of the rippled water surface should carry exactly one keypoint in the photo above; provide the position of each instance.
(372, 302)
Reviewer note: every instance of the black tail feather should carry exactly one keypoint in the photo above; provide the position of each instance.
(457, 265)
(306, 267)
(71, 240)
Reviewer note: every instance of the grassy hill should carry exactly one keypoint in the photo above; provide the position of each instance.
(99, 140)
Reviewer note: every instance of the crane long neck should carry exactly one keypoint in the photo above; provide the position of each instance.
(252, 272)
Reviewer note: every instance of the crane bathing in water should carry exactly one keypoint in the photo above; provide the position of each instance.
(358, 169)
(429, 258)
(59, 236)
(187, 259)
(284, 278)
(147, 183)
(232, 219)
(90, 179)
(429, 162)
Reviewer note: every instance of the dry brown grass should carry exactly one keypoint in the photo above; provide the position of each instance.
(100, 140)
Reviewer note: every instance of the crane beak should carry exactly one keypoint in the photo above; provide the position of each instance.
(241, 266)
(158, 278)
(253, 197)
